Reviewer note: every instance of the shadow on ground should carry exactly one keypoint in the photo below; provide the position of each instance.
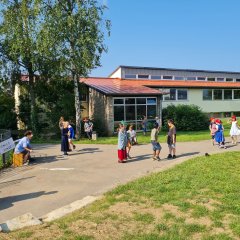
(13, 182)
(8, 202)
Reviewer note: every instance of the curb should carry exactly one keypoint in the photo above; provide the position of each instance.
(28, 219)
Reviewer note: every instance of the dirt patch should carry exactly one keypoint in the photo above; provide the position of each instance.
(202, 221)
(173, 210)
(208, 203)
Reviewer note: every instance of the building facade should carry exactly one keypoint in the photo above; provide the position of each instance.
(129, 93)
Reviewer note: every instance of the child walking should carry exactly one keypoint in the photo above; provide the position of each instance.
(155, 144)
(171, 139)
(213, 129)
(234, 131)
(71, 136)
(132, 139)
(219, 135)
(122, 143)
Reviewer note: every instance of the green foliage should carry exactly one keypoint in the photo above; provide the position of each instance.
(186, 117)
(7, 113)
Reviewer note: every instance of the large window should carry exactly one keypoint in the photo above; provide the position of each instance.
(217, 94)
(132, 110)
(236, 94)
(207, 94)
(176, 94)
(227, 94)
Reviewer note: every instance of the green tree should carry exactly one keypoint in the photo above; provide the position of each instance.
(20, 39)
(8, 117)
(74, 32)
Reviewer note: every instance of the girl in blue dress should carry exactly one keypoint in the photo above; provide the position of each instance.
(219, 135)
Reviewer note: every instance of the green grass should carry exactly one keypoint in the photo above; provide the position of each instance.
(198, 199)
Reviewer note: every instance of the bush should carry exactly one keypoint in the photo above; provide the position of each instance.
(186, 117)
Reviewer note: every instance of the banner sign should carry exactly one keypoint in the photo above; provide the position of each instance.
(6, 145)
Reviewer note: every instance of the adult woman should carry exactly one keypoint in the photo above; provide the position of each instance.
(64, 138)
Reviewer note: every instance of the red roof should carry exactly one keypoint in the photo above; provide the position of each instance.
(116, 86)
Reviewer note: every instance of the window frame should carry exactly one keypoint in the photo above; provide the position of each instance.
(176, 95)
(135, 121)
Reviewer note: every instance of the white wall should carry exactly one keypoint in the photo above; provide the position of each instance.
(195, 97)
(117, 74)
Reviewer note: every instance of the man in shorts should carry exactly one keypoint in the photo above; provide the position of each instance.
(24, 147)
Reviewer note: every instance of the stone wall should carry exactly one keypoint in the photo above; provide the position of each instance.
(101, 110)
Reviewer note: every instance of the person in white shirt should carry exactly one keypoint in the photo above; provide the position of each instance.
(132, 139)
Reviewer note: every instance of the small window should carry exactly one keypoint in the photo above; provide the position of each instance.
(236, 94)
(201, 78)
(130, 101)
(143, 76)
(211, 79)
(207, 94)
(182, 94)
(238, 80)
(191, 78)
(171, 95)
(156, 77)
(130, 76)
(167, 77)
(151, 101)
(141, 100)
(227, 94)
(179, 78)
(220, 79)
(118, 101)
(217, 94)
(229, 79)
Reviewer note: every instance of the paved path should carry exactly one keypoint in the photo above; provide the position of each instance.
(53, 181)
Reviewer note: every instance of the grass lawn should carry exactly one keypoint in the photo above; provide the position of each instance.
(199, 199)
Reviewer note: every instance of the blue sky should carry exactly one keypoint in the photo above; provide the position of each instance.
(194, 34)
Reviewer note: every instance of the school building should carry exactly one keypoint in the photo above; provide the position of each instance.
(130, 92)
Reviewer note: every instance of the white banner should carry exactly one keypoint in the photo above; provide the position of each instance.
(6, 145)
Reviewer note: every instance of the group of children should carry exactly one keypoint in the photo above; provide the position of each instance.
(217, 131)
(128, 138)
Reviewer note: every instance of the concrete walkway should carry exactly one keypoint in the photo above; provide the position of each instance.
(52, 181)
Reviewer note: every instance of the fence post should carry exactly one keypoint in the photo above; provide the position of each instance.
(4, 159)
(4, 134)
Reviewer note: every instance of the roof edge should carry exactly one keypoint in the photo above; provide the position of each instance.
(174, 69)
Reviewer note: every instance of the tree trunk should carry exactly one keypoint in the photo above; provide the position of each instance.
(77, 105)
(33, 114)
